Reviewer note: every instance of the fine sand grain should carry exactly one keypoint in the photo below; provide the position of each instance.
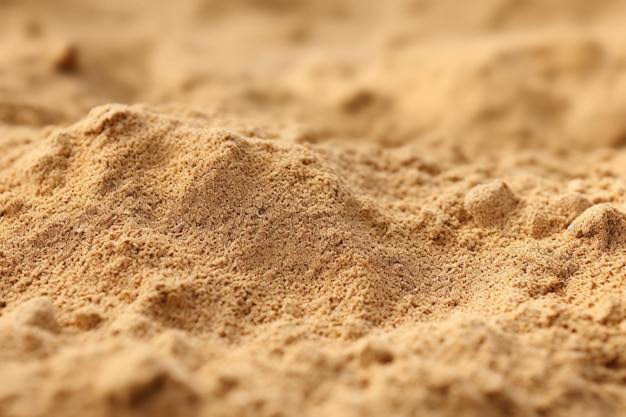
(313, 208)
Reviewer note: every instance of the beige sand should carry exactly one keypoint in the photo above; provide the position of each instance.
(314, 208)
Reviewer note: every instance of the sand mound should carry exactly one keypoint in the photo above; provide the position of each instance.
(349, 208)
(258, 221)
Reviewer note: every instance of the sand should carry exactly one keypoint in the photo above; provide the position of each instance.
(314, 208)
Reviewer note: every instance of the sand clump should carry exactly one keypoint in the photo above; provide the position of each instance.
(603, 223)
(490, 204)
(321, 208)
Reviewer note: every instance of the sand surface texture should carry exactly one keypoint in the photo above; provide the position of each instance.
(313, 208)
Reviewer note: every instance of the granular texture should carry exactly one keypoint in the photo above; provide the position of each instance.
(312, 209)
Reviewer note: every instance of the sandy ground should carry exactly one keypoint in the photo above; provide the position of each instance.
(313, 208)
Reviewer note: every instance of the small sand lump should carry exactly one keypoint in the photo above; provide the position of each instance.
(602, 222)
(489, 204)
(558, 215)
(570, 206)
(37, 312)
(87, 318)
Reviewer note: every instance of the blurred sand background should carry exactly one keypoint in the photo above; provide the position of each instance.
(281, 208)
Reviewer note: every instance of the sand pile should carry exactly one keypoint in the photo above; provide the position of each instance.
(321, 208)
